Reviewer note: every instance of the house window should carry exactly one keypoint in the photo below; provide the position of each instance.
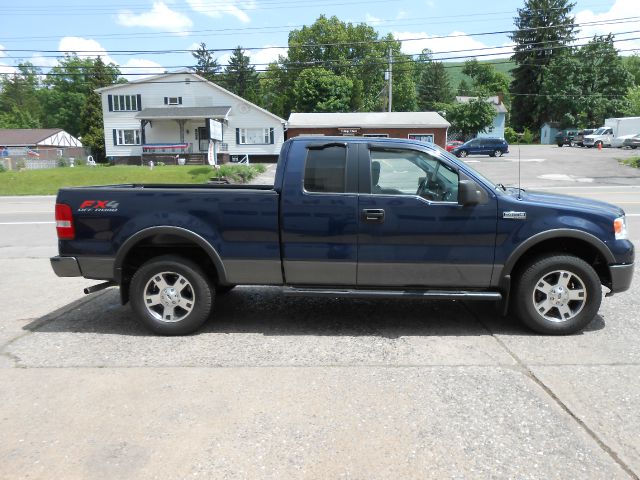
(173, 100)
(128, 137)
(125, 103)
(421, 137)
(255, 136)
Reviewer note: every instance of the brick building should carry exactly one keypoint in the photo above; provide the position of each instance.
(425, 126)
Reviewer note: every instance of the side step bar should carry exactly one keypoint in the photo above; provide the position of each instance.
(372, 294)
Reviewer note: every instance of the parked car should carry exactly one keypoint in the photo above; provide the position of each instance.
(578, 139)
(633, 142)
(618, 142)
(494, 147)
(565, 137)
(453, 144)
(351, 217)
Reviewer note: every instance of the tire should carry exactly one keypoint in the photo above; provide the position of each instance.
(463, 153)
(497, 153)
(165, 309)
(557, 295)
(559, 144)
(222, 289)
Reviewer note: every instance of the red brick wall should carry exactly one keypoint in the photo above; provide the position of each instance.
(439, 134)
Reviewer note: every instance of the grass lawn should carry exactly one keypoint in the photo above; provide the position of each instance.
(47, 182)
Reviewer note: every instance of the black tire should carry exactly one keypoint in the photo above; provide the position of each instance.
(559, 144)
(222, 289)
(566, 286)
(497, 153)
(177, 310)
(462, 153)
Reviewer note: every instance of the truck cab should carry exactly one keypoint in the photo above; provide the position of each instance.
(602, 137)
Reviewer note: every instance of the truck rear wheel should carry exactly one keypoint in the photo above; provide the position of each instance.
(557, 295)
(171, 295)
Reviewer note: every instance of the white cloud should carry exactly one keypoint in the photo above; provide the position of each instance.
(267, 55)
(459, 44)
(160, 17)
(620, 10)
(138, 68)
(219, 8)
(7, 69)
(85, 48)
(371, 20)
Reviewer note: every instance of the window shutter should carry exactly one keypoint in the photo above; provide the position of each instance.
(110, 100)
(179, 100)
(166, 100)
(139, 102)
(115, 137)
(271, 136)
(237, 136)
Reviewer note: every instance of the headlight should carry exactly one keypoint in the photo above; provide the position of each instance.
(620, 228)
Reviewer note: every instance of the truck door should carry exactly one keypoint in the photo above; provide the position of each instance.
(413, 232)
(319, 214)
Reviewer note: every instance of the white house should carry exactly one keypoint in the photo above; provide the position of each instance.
(166, 116)
(496, 130)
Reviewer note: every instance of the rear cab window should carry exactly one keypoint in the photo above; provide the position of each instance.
(325, 170)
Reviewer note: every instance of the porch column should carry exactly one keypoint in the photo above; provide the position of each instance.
(181, 124)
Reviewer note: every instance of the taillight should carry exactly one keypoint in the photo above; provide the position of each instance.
(64, 222)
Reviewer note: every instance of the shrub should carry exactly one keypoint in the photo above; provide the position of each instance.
(527, 136)
(510, 135)
(2, 168)
(632, 162)
(62, 162)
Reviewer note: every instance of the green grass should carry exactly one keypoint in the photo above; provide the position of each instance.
(47, 182)
(631, 161)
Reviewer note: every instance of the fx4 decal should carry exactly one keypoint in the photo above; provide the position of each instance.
(99, 206)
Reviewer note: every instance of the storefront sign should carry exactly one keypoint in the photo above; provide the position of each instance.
(349, 131)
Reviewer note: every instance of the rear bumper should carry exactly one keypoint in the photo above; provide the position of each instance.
(96, 268)
(621, 276)
(66, 266)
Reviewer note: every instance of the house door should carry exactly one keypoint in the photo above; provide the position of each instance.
(203, 141)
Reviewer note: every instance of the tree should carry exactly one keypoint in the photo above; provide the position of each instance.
(633, 102)
(92, 127)
(20, 98)
(206, 66)
(585, 86)
(276, 87)
(470, 118)
(433, 86)
(240, 76)
(632, 64)
(320, 90)
(544, 27)
(487, 81)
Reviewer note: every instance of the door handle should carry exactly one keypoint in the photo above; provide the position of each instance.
(373, 215)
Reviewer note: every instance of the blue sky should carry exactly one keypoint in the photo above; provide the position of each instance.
(131, 32)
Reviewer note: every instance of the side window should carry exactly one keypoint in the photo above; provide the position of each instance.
(325, 170)
(408, 172)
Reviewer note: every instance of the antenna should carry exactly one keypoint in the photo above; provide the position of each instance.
(520, 135)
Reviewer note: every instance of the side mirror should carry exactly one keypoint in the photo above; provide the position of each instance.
(469, 193)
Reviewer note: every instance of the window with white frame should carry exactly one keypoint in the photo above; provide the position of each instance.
(125, 103)
(174, 100)
(128, 137)
(255, 136)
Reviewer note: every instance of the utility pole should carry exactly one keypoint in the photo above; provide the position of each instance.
(390, 78)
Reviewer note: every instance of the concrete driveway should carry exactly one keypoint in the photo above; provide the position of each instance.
(278, 387)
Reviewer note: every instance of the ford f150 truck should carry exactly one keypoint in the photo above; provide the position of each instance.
(359, 217)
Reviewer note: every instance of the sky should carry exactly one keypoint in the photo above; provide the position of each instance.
(146, 37)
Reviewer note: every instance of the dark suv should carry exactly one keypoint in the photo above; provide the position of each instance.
(565, 137)
(579, 138)
(494, 147)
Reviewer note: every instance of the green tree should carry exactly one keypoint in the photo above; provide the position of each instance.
(92, 127)
(321, 90)
(276, 86)
(633, 102)
(585, 86)
(487, 81)
(464, 90)
(240, 76)
(543, 28)
(20, 98)
(471, 118)
(433, 86)
(632, 64)
(207, 66)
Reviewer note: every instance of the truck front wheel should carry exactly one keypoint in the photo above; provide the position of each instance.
(557, 295)
(171, 295)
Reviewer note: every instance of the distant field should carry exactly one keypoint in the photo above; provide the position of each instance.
(47, 182)
(454, 69)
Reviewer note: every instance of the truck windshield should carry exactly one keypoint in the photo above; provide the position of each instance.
(600, 131)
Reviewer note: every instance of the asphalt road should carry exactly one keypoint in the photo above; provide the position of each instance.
(276, 387)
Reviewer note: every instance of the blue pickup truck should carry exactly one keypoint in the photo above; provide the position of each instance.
(356, 217)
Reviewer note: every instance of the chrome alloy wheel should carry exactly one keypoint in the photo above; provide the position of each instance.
(559, 296)
(169, 297)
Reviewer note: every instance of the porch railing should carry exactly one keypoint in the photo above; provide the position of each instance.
(175, 148)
